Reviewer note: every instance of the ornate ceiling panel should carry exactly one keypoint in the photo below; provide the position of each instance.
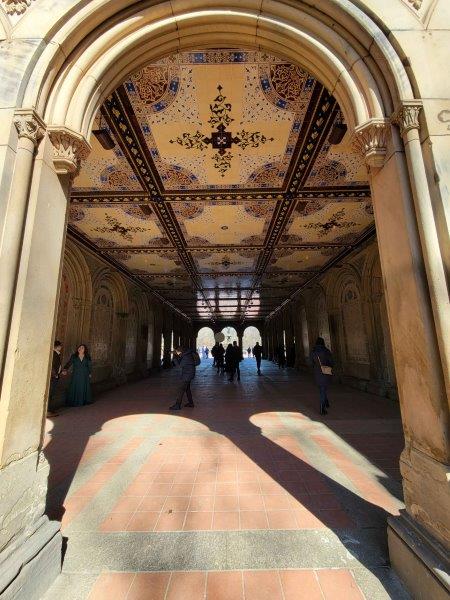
(222, 192)
(232, 127)
(224, 223)
(113, 226)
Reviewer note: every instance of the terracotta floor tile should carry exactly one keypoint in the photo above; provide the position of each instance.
(127, 504)
(116, 522)
(253, 519)
(262, 585)
(336, 519)
(300, 585)
(187, 586)
(276, 502)
(281, 519)
(159, 489)
(251, 502)
(143, 521)
(149, 586)
(223, 503)
(225, 585)
(225, 521)
(170, 521)
(111, 586)
(176, 503)
(152, 503)
(198, 521)
(203, 489)
(338, 584)
(226, 489)
(164, 478)
(136, 489)
(200, 503)
(308, 520)
(250, 487)
(181, 489)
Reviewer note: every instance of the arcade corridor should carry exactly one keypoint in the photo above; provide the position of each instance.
(248, 495)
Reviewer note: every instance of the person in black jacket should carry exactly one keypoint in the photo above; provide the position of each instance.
(322, 360)
(257, 353)
(220, 361)
(185, 359)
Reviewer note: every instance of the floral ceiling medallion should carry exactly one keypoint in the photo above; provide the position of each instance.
(221, 139)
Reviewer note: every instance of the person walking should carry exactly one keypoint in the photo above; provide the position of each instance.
(230, 362)
(214, 353)
(249, 352)
(207, 352)
(238, 357)
(322, 361)
(257, 353)
(187, 360)
(79, 392)
(54, 377)
(220, 359)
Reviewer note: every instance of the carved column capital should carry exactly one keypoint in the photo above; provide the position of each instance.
(69, 150)
(16, 7)
(369, 140)
(415, 3)
(29, 125)
(407, 116)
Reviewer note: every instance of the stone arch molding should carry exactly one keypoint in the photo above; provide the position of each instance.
(340, 45)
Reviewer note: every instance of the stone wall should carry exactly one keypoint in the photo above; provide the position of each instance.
(346, 306)
(120, 322)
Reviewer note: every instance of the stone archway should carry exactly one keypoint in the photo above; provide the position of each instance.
(347, 51)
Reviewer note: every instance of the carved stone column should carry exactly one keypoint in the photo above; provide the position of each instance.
(416, 305)
(30, 130)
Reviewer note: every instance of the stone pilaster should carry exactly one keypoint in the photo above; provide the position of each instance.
(69, 150)
(370, 140)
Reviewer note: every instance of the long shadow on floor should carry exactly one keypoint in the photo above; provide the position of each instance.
(359, 524)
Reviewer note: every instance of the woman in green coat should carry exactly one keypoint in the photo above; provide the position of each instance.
(79, 392)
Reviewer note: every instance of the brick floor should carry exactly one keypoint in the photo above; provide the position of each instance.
(251, 494)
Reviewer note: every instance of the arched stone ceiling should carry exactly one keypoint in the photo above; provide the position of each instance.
(222, 191)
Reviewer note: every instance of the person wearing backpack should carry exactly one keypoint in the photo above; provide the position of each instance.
(322, 361)
(187, 360)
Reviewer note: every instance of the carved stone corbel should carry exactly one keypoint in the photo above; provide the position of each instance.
(16, 7)
(69, 150)
(29, 125)
(407, 116)
(370, 140)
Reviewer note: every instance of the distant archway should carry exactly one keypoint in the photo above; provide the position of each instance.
(205, 337)
(230, 334)
(250, 337)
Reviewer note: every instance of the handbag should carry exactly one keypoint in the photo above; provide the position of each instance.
(326, 370)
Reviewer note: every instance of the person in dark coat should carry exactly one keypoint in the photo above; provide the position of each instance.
(322, 357)
(79, 392)
(237, 358)
(230, 361)
(54, 377)
(220, 359)
(214, 353)
(257, 353)
(185, 359)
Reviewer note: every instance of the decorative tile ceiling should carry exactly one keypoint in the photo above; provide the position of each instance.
(222, 192)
